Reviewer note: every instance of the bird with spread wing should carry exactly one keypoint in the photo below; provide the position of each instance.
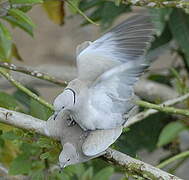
(108, 68)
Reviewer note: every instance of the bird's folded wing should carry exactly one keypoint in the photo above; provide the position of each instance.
(99, 140)
(126, 42)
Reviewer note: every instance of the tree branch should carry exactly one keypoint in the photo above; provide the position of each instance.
(5, 5)
(33, 73)
(130, 164)
(162, 108)
(157, 4)
(137, 167)
(174, 158)
(142, 115)
(25, 90)
(59, 72)
(22, 121)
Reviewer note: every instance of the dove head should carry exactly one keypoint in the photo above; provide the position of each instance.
(70, 97)
(64, 101)
(68, 156)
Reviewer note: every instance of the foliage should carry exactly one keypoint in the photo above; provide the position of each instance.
(31, 154)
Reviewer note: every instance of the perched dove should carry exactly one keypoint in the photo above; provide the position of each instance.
(103, 91)
(108, 68)
(79, 145)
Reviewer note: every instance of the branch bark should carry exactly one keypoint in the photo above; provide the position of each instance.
(142, 115)
(33, 73)
(137, 167)
(130, 164)
(157, 4)
(162, 108)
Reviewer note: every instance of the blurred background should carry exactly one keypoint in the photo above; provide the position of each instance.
(59, 29)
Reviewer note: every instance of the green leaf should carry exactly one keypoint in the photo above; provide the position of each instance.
(57, 175)
(39, 111)
(21, 165)
(179, 25)
(8, 102)
(76, 4)
(15, 52)
(21, 24)
(104, 11)
(55, 11)
(142, 135)
(88, 174)
(5, 42)
(10, 135)
(45, 155)
(21, 16)
(25, 1)
(30, 148)
(104, 174)
(2, 142)
(118, 2)
(39, 175)
(77, 170)
(110, 12)
(160, 17)
(170, 132)
(23, 98)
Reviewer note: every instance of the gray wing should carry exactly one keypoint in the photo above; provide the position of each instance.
(99, 140)
(126, 42)
(116, 86)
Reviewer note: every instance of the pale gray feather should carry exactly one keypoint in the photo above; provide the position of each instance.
(127, 41)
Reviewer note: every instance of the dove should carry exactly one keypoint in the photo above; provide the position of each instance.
(79, 145)
(108, 69)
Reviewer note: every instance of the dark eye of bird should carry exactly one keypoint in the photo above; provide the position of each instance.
(62, 107)
(68, 159)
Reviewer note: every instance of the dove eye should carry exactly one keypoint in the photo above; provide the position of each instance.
(63, 107)
(68, 159)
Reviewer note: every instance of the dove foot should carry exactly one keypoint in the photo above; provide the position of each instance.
(71, 122)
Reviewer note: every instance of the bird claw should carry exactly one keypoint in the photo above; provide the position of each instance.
(71, 122)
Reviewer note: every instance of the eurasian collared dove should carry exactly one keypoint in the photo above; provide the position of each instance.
(103, 92)
(108, 68)
(78, 145)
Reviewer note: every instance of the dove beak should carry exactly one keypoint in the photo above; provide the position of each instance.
(62, 166)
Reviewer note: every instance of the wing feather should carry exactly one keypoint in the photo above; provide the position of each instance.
(118, 85)
(125, 42)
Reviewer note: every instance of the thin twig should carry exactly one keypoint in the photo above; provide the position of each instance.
(142, 115)
(33, 73)
(81, 13)
(25, 90)
(162, 108)
(6, 5)
(157, 4)
(172, 159)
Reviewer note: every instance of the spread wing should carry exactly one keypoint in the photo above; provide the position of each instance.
(116, 87)
(126, 42)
